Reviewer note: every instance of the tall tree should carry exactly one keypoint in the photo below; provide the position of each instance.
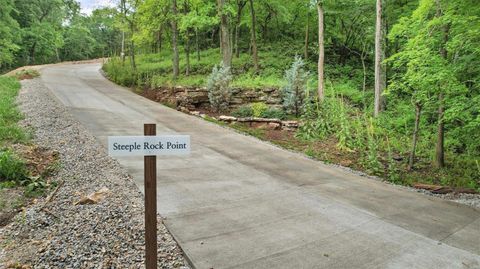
(224, 34)
(176, 61)
(439, 148)
(321, 51)
(307, 31)
(41, 23)
(130, 13)
(240, 5)
(254, 38)
(378, 60)
(8, 33)
(123, 10)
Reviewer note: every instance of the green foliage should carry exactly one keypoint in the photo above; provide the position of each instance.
(371, 155)
(274, 113)
(79, 43)
(259, 109)
(9, 113)
(295, 88)
(8, 33)
(36, 186)
(244, 111)
(218, 87)
(119, 72)
(11, 167)
(52, 30)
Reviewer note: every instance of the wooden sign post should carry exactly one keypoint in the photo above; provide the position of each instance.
(150, 145)
(150, 166)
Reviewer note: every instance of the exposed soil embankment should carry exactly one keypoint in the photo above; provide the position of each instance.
(61, 231)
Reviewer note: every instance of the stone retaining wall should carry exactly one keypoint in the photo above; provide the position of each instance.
(197, 97)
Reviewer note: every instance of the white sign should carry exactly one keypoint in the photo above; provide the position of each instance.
(148, 145)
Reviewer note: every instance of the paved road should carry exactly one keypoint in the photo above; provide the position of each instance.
(237, 202)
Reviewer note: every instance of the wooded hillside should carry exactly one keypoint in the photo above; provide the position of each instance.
(395, 83)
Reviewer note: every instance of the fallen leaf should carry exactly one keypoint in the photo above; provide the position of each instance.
(94, 197)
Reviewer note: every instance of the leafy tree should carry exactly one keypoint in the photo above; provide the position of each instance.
(41, 29)
(79, 43)
(8, 33)
(427, 69)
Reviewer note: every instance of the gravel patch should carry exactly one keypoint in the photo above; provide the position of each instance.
(59, 234)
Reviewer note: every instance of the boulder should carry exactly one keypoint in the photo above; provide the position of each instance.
(227, 118)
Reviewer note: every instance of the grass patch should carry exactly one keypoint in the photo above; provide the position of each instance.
(155, 70)
(10, 132)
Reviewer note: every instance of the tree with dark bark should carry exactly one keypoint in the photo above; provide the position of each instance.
(224, 34)
(254, 38)
(321, 52)
(176, 60)
(378, 61)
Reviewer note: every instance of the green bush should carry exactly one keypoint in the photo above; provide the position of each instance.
(274, 113)
(258, 109)
(12, 168)
(243, 112)
(293, 92)
(218, 87)
(121, 73)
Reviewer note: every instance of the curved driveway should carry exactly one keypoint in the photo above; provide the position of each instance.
(237, 202)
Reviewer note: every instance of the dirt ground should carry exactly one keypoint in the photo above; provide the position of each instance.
(41, 163)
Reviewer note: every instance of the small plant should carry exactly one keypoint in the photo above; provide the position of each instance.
(258, 109)
(218, 86)
(26, 74)
(371, 160)
(274, 113)
(243, 112)
(35, 186)
(393, 169)
(315, 119)
(296, 85)
(12, 168)
(344, 134)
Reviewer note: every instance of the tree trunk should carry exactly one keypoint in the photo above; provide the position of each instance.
(159, 40)
(197, 44)
(364, 67)
(58, 55)
(411, 159)
(439, 148)
(187, 40)
(321, 53)
(122, 53)
(132, 55)
(32, 53)
(225, 36)
(378, 61)
(240, 5)
(187, 52)
(307, 30)
(176, 61)
(254, 38)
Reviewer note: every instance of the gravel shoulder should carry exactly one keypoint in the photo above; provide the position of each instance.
(56, 233)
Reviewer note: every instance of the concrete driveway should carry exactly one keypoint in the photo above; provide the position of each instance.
(237, 202)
